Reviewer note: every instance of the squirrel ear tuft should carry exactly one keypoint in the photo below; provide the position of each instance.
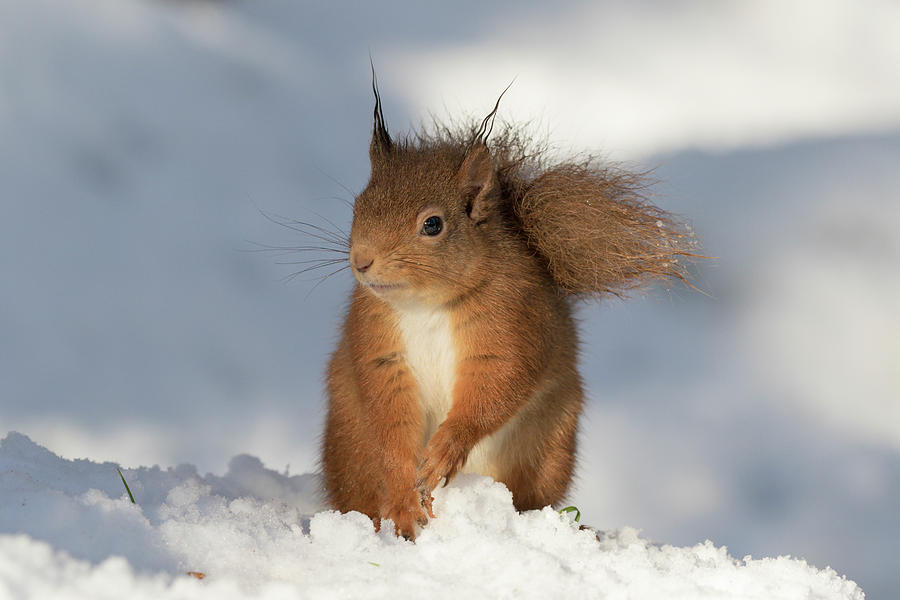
(381, 141)
(477, 179)
(381, 144)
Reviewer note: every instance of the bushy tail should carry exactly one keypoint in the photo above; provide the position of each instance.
(598, 233)
(592, 224)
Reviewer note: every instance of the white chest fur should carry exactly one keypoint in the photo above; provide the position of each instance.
(431, 355)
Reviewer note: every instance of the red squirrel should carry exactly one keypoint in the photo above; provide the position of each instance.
(458, 352)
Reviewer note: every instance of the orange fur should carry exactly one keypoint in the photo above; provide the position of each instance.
(458, 352)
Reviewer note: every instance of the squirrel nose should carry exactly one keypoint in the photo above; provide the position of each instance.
(362, 261)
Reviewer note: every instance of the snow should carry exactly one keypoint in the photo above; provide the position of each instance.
(68, 530)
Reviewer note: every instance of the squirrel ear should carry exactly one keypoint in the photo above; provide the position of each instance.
(477, 181)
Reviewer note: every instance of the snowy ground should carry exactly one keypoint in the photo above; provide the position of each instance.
(72, 532)
(140, 138)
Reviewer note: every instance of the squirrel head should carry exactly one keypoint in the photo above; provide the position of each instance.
(422, 224)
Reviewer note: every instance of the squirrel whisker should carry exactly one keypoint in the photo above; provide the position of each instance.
(285, 250)
(324, 278)
(295, 274)
(317, 263)
(312, 230)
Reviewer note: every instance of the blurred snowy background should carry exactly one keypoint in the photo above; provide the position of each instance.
(140, 139)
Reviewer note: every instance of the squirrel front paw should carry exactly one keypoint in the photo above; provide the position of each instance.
(407, 512)
(443, 457)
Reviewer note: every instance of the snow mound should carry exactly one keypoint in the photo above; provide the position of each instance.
(67, 528)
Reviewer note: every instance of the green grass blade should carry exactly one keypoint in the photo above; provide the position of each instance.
(127, 489)
(574, 509)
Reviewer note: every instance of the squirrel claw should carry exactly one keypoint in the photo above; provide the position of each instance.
(443, 458)
(406, 513)
(427, 504)
(427, 499)
(423, 520)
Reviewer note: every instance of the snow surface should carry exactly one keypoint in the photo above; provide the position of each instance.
(68, 530)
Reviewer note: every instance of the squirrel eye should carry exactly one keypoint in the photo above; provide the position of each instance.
(432, 225)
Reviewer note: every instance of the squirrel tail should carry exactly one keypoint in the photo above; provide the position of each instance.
(598, 233)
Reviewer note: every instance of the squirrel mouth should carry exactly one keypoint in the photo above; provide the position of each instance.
(380, 288)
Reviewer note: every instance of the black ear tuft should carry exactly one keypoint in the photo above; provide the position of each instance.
(487, 125)
(381, 140)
